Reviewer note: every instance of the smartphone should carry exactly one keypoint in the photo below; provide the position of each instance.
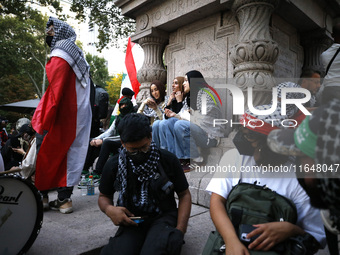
(245, 229)
(137, 219)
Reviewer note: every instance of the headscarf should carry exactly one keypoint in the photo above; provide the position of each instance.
(180, 80)
(327, 153)
(196, 82)
(161, 88)
(64, 39)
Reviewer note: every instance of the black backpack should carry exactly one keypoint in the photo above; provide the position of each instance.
(101, 102)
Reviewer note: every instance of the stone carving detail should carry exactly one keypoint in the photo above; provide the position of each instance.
(256, 52)
(153, 68)
(313, 48)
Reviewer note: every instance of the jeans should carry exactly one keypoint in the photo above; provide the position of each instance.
(166, 134)
(155, 133)
(188, 137)
(163, 134)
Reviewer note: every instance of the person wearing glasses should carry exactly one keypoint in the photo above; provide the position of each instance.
(146, 178)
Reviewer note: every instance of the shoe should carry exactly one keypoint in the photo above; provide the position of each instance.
(185, 163)
(96, 180)
(64, 206)
(85, 172)
(45, 203)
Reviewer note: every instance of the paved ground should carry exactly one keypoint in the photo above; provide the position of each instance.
(87, 229)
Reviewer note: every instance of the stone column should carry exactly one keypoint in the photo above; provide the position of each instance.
(153, 68)
(314, 43)
(255, 53)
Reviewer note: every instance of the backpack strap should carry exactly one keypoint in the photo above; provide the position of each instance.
(330, 62)
(236, 215)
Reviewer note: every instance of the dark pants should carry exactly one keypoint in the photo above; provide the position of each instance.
(152, 237)
(92, 154)
(63, 192)
(108, 146)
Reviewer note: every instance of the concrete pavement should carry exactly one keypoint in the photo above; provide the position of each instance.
(87, 229)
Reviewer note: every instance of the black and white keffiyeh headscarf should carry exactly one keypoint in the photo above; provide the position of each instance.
(291, 109)
(64, 38)
(144, 172)
(327, 153)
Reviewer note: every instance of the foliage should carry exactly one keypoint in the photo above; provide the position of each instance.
(22, 51)
(99, 71)
(112, 25)
(113, 87)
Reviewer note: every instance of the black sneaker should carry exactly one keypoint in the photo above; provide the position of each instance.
(64, 206)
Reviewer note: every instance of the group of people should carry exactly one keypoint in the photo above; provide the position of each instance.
(151, 148)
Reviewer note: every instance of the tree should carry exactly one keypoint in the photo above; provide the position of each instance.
(112, 25)
(99, 71)
(113, 87)
(23, 53)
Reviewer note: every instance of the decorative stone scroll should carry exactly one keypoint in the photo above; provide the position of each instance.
(255, 54)
(153, 68)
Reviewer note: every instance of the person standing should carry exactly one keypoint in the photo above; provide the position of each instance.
(63, 116)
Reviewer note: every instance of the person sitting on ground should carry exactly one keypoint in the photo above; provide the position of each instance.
(252, 151)
(146, 178)
(175, 103)
(109, 140)
(315, 144)
(154, 107)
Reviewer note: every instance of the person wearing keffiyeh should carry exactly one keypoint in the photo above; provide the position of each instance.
(63, 116)
(146, 178)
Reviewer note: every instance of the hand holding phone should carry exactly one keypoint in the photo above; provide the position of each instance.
(245, 229)
(137, 219)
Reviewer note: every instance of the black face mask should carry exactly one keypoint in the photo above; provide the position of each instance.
(243, 145)
(49, 39)
(140, 157)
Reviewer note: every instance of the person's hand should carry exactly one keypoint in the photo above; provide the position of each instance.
(152, 104)
(120, 216)
(179, 96)
(96, 142)
(15, 168)
(172, 96)
(169, 113)
(235, 247)
(270, 234)
(19, 151)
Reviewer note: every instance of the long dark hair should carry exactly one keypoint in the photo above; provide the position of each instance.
(161, 88)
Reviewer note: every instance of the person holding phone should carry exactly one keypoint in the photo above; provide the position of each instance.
(252, 152)
(146, 178)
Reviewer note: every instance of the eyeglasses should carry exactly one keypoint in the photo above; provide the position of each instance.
(143, 149)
